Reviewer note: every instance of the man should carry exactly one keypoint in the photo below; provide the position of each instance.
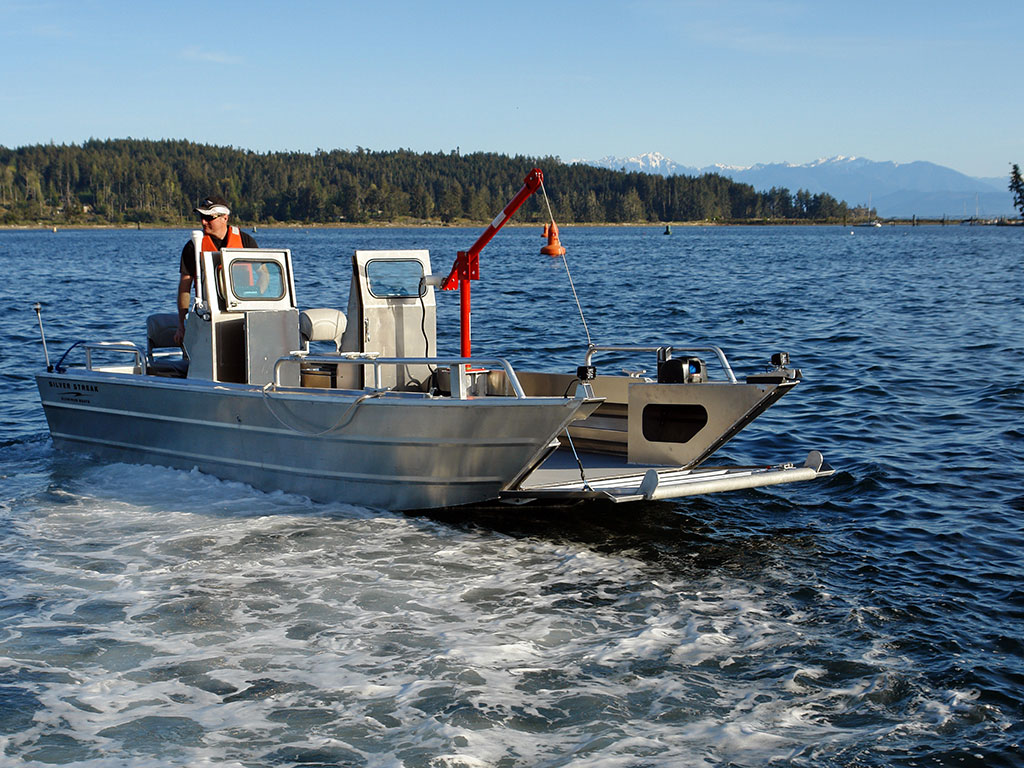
(213, 213)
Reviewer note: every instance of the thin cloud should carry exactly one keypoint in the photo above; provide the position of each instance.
(51, 31)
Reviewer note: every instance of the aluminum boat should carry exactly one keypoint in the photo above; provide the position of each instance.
(357, 406)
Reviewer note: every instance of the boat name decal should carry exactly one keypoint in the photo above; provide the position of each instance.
(74, 385)
(74, 391)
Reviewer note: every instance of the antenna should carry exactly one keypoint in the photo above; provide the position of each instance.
(39, 316)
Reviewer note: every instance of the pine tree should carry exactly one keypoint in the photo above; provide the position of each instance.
(1017, 188)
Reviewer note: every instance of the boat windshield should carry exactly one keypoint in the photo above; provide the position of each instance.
(256, 279)
(395, 278)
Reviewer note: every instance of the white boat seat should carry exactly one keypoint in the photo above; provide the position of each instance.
(322, 325)
(160, 330)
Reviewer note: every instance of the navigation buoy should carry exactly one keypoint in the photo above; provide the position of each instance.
(554, 247)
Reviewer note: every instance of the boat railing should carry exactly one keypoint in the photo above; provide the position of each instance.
(460, 367)
(665, 352)
(123, 347)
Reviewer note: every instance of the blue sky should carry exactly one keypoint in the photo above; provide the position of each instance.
(700, 81)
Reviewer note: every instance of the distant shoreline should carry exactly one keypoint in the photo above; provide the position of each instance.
(43, 226)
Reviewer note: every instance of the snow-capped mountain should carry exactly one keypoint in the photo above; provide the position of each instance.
(650, 162)
(895, 189)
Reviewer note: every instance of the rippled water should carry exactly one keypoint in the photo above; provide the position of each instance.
(152, 617)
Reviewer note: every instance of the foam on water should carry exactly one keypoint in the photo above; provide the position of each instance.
(168, 616)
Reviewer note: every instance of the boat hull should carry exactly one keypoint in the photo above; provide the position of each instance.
(383, 450)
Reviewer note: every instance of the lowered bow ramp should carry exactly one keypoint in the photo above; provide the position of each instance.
(560, 478)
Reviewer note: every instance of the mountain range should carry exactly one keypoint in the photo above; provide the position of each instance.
(920, 188)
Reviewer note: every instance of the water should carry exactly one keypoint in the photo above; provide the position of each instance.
(153, 617)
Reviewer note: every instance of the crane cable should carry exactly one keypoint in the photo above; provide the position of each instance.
(567, 272)
(583, 477)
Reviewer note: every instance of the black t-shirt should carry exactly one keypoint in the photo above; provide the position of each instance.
(188, 253)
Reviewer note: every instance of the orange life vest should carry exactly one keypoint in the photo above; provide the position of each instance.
(234, 240)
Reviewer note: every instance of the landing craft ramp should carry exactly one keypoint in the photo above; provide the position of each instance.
(608, 477)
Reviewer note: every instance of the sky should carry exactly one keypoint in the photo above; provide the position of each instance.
(700, 81)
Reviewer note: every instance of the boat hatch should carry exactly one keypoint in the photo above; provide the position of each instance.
(392, 312)
(245, 316)
(605, 477)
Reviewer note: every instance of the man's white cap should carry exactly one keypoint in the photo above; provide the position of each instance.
(213, 206)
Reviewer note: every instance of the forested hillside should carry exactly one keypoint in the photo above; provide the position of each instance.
(158, 182)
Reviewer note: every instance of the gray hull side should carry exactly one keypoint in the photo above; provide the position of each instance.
(390, 453)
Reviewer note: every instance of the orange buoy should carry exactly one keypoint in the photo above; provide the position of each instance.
(553, 248)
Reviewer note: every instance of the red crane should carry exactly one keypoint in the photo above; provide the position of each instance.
(467, 263)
